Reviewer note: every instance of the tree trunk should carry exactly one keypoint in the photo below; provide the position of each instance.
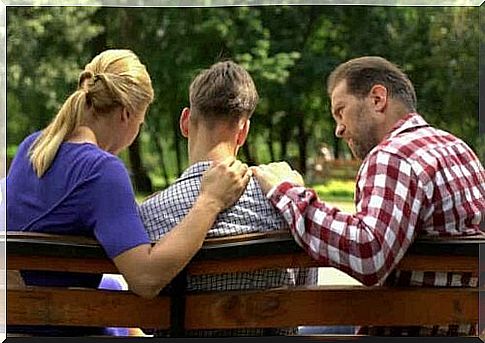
(100, 42)
(162, 159)
(269, 142)
(336, 147)
(176, 144)
(142, 182)
(302, 143)
(246, 150)
(285, 134)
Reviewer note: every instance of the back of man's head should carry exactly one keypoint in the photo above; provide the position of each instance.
(224, 92)
(362, 73)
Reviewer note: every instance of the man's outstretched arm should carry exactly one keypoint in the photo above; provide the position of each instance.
(368, 244)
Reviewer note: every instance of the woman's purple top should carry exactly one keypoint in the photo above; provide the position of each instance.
(86, 191)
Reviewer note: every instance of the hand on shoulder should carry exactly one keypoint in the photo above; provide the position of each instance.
(270, 175)
(224, 182)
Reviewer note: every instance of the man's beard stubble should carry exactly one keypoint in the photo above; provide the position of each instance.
(365, 139)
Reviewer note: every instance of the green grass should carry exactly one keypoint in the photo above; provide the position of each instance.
(344, 206)
(337, 193)
(339, 190)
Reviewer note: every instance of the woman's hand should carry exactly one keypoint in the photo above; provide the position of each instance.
(270, 175)
(148, 269)
(224, 182)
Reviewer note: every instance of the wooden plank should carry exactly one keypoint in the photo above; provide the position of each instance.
(61, 264)
(244, 264)
(252, 263)
(248, 237)
(332, 306)
(225, 254)
(82, 240)
(85, 307)
(322, 305)
(52, 238)
(15, 240)
(445, 263)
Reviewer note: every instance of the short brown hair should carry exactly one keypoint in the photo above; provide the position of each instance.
(363, 73)
(225, 91)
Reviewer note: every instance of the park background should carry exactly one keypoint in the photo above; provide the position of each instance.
(289, 50)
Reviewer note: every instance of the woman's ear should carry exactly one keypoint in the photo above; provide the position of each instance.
(184, 122)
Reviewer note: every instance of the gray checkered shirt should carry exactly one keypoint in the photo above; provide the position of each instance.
(252, 213)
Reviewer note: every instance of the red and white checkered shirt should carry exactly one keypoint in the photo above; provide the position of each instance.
(418, 180)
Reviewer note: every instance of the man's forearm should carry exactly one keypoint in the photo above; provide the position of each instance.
(342, 240)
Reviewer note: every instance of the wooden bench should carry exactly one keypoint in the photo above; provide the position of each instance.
(176, 310)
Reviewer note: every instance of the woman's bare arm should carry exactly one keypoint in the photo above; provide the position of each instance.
(148, 269)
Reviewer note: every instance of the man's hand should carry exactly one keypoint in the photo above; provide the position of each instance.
(270, 175)
(224, 182)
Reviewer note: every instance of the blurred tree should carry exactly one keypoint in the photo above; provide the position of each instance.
(289, 51)
(46, 50)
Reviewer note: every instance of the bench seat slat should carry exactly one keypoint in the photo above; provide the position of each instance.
(322, 305)
(85, 307)
(332, 306)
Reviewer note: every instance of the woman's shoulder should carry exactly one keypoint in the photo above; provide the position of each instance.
(91, 155)
(29, 140)
(32, 136)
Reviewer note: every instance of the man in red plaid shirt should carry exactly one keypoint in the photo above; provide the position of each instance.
(414, 180)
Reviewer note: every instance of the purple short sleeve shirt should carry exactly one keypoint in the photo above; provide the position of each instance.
(86, 191)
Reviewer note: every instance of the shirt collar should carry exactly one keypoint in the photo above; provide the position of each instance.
(195, 170)
(408, 122)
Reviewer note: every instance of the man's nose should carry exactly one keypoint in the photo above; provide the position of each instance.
(339, 130)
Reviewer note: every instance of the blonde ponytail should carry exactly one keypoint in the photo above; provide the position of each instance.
(113, 78)
(45, 147)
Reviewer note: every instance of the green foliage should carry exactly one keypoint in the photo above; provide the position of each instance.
(289, 50)
(46, 49)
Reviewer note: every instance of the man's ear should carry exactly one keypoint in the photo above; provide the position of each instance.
(184, 122)
(243, 131)
(378, 96)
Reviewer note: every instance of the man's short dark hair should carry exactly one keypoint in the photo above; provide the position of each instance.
(225, 91)
(363, 73)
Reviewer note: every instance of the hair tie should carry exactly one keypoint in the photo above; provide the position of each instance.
(83, 77)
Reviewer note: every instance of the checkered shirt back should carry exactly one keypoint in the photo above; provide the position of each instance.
(252, 213)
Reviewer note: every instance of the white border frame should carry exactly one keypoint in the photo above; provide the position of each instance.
(165, 3)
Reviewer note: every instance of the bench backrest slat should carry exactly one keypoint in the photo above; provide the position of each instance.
(227, 254)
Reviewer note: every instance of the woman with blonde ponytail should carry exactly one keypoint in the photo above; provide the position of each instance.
(67, 179)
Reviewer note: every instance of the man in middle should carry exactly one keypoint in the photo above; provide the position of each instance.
(222, 100)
